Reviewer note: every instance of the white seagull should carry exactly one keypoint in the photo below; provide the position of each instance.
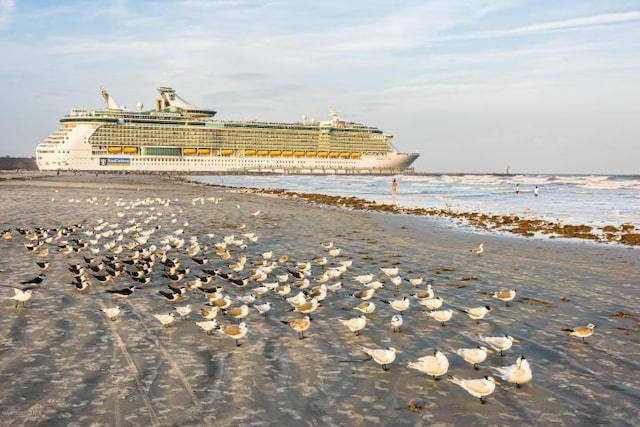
(382, 356)
(581, 331)
(21, 296)
(355, 324)
(474, 355)
(519, 373)
(434, 365)
(479, 388)
(111, 312)
(500, 343)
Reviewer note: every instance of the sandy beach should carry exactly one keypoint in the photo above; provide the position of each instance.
(64, 362)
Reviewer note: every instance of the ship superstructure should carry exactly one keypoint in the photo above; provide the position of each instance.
(177, 136)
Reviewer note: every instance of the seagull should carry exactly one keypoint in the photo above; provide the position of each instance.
(236, 332)
(478, 249)
(366, 307)
(35, 281)
(416, 281)
(500, 343)
(124, 292)
(183, 310)
(441, 316)
(21, 296)
(239, 312)
(390, 271)
(364, 278)
(209, 313)
(299, 325)
(581, 331)
(263, 308)
(398, 304)
(396, 323)
(207, 325)
(365, 294)
(505, 295)
(431, 303)
(434, 365)
(477, 313)
(355, 324)
(474, 355)
(111, 312)
(519, 373)
(382, 356)
(165, 319)
(480, 388)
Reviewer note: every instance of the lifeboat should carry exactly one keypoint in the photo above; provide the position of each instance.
(130, 150)
(322, 154)
(275, 152)
(114, 149)
(298, 153)
(226, 152)
(356, 155)
(344, 155)
(204, 151)
(249, 152)
(287, 153)
(333, 154)
(188, 151)
(263, 152)
(310, 154)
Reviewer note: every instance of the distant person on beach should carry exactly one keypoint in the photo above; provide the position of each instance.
(394, 187)
(517, 189)
(535, 191)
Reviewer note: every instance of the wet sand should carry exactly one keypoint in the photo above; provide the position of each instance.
(63, 362)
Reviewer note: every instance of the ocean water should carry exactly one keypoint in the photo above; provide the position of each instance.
(596, 200)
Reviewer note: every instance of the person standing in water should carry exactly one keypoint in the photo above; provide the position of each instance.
(394, 187)
(517, 189)
(535, 191)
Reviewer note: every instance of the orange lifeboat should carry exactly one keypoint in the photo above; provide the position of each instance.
(188, 151)
(114, 149)
(299, 153)
(322, 154)
(130, 150)
(249, 152)
(356, 155)
(287, 153)
(226, 152)
(204, 151)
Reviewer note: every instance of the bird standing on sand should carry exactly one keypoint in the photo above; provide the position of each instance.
(479, 388)
(433, 365)
(519, 373)
(123, 293)
(366, 307)
(299, 325)
(441, 316)
(207, 325)
(581, 331)
(237, 332)
(478, 249)
(474, 355)
(398, 304)
(35, 281)
(506, 295)
(382, 356)
(183, 310)
(165, 319)
(500, 343)
(396, 323)
(355, 324)
(21, 296)
(477, 313)
(112, 313)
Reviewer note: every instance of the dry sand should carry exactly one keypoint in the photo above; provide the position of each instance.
(62, 362)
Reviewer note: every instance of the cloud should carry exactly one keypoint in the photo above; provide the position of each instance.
(6, 10)
(573, 24)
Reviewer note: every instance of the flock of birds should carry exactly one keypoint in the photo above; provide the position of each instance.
(206, 277)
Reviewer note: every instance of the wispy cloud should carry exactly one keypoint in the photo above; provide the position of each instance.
(574, 24)
(6, 10)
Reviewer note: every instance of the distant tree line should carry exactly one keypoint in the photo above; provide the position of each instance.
(18, 163)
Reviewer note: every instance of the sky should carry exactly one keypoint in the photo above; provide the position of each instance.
(476, 86)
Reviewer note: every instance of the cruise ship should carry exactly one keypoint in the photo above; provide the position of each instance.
(177, 136)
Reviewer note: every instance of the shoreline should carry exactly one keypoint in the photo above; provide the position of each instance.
(625, 234)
